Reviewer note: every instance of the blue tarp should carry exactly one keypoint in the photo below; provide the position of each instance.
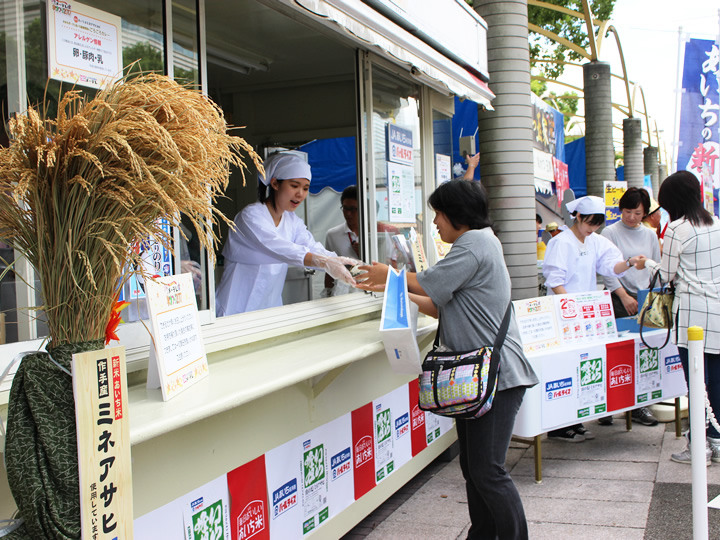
(333, 163)
(575, 155)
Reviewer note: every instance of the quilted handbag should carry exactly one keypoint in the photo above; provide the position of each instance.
(461, 384)
(656, 311)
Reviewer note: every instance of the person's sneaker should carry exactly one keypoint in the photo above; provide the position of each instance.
(567, 435)
(589, 435)
(686, 458)
(605, 421)
(715, 448)
(644, 416)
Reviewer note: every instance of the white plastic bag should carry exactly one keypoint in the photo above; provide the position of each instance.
(398, 325)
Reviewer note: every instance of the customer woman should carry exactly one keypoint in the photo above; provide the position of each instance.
(572, 260)
(268, 237)
(470, 288)
(691, 260)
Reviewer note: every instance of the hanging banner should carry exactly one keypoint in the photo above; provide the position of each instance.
(84, 44)
(698, 137)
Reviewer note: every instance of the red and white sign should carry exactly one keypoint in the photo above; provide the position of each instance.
(621, 375)
(248, 495)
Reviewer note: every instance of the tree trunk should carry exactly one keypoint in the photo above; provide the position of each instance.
(505, 136)
(599, 151)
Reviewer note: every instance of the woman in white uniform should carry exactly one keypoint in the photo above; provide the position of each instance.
(572, 261)
(268, 237)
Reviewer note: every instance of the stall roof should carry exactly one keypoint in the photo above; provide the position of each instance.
(370, 30)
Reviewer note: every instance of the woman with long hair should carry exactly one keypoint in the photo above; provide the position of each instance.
(691, 260)
(470, 288)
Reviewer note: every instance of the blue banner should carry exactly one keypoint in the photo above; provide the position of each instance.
(699, 137)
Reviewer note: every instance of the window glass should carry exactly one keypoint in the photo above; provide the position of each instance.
(399, 194)
(292, 88)
(24, 79)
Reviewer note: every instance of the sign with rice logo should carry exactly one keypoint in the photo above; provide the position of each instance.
(648, 383)
(591, 374)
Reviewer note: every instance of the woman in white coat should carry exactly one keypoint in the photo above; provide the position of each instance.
(572, 260)
(268, 237)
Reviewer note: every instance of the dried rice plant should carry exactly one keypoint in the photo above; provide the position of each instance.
(78, 192)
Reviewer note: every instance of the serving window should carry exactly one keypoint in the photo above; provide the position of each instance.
(283, 85)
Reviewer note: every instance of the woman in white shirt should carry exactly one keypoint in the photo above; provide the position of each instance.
(268, 237)
(572, 260)
(691, 260)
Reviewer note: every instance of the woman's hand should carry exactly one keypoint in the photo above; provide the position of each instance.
(630, 303)
(638, 262)
(373, 277)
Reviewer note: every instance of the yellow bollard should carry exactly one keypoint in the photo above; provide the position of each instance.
(696, 378)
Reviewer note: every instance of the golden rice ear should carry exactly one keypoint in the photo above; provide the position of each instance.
(78, 191)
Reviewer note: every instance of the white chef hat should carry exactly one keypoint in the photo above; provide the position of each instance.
(587, 205)
(283, 166)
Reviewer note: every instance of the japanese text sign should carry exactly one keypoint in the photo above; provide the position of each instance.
(699, 137)
(179, 351)
(103, 434)
(84, 44)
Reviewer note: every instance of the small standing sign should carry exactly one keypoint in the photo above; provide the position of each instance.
(177, 359)
(103, 434)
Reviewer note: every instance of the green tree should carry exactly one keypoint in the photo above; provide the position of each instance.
(149, 58)
(547, 56)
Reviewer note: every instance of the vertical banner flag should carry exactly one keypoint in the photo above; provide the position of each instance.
(699, 137)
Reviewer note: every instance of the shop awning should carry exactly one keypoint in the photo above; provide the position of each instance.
(372, 31)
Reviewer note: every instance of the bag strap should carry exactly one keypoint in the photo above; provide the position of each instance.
(655, 277)
(499, 339)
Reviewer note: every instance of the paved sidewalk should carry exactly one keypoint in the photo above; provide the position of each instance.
(621, 485)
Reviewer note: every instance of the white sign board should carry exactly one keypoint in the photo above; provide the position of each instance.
(443, 169)
(401, 193)
(179, 355)
(84, 44)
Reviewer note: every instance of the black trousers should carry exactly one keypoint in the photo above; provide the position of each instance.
(496, 510)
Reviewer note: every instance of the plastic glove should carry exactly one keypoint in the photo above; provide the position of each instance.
(335, 266)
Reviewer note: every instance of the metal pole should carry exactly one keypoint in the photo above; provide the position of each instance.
(696, 377)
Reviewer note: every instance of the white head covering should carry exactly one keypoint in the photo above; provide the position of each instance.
(283, 166)
(587, 205)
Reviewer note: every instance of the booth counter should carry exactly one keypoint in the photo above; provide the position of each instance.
(271, 401)
(589, 381)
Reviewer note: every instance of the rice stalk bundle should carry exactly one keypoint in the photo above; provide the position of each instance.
(79, 193)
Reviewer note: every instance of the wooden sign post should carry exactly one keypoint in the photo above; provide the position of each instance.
(103, 434)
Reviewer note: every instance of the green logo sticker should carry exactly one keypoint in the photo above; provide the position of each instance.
(314, 465)
(324, 514)
(208, 523)
(600, 408)
(308, 525)
(591, 371)
(648, 360)
(383, 425)
(582, 413)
